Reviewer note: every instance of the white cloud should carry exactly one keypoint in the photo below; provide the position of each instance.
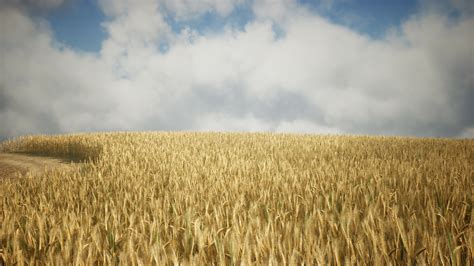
(189, 9)
(277, 10)
(224, 123)
(318, 78)
(467, 133)
(180, 9)
(302, 126)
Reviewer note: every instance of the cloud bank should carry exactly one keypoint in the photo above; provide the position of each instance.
(286, 70)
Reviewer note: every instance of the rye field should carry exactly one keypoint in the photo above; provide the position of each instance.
(157, 198)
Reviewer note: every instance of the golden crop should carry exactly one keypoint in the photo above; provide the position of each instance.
(215, 198)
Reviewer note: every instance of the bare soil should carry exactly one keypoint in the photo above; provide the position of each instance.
(12, 164)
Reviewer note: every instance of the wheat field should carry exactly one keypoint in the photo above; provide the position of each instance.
(157, 198)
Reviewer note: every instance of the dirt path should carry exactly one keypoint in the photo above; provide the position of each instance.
(13, 163)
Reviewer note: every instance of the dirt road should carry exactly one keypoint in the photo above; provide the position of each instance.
(13, 163)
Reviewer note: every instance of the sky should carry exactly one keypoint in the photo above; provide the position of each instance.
(394, 67)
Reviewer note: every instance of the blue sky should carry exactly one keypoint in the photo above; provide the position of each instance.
(369, 17)
(78, 22)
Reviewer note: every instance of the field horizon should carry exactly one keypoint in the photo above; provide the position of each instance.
(240, 198)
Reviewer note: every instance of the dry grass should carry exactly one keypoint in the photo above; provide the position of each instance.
(210, 198)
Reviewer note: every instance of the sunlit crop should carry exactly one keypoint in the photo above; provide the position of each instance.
(213, 198)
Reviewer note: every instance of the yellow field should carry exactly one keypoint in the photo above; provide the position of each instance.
(211, 198)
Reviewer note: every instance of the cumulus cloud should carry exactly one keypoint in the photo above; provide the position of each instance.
(467, 133)
(277, 10)
(317, 78)
(188, 9)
